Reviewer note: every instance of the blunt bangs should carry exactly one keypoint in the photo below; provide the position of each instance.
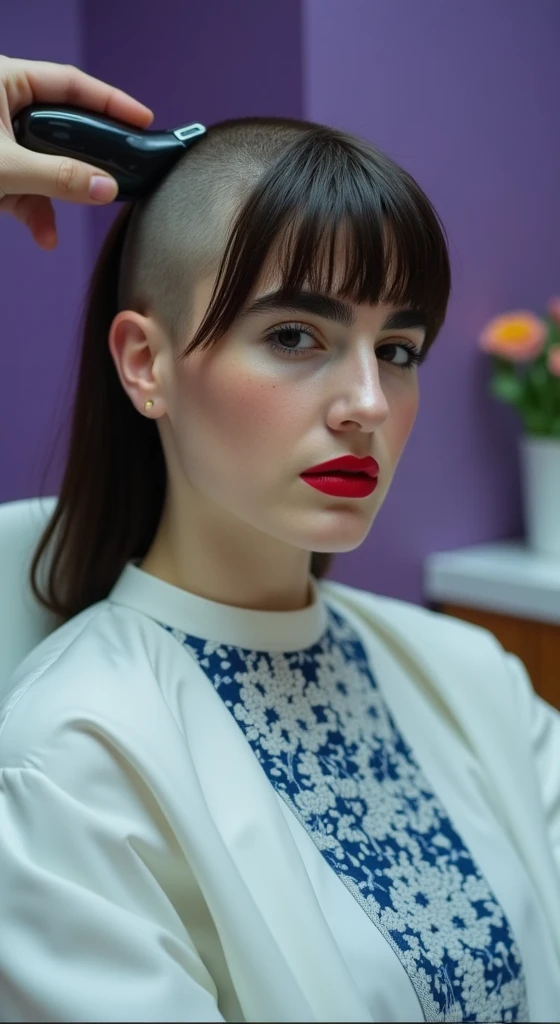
(337, 216)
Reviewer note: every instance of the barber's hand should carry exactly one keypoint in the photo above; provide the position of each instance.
(29, 180)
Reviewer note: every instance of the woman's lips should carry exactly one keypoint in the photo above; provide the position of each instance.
(345, 464)
(342, 484)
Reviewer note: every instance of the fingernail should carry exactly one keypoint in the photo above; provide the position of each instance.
(102, 189)
(49, 239)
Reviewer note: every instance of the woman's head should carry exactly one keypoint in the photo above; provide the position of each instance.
(255, 207)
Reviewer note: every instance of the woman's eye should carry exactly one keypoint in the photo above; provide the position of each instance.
(285, 340)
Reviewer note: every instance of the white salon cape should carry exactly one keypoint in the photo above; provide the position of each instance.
(345, 813)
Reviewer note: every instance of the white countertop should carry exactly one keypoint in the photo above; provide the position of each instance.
(504, 576)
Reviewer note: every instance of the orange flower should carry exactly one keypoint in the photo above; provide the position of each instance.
(518, 336)
(553, 363)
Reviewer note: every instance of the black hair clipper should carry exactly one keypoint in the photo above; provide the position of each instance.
(136, 158)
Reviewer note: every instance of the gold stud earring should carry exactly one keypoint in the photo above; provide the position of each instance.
(148, 404)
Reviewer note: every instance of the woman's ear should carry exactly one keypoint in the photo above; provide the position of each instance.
(135, 342)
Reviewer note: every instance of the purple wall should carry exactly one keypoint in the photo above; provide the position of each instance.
(464, 96)
(40, 292)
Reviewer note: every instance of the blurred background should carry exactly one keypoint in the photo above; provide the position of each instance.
(463, 95)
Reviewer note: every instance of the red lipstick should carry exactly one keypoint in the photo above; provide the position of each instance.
(344, 477)
(347, 464)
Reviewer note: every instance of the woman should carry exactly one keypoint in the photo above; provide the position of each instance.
(232, 789)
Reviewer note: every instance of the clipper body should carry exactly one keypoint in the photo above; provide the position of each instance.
(136, 158)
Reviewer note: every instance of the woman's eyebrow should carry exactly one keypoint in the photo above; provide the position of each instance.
(327, 307)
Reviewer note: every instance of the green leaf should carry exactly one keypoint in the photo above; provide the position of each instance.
(538, 376)
(506, 388)
(535, 421)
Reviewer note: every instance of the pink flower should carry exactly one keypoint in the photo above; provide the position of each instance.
(518, 336)
(553, 363)
(553, 308)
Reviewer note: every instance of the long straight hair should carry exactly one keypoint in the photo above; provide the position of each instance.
(311, 181)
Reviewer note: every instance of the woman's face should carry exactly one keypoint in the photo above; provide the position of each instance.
(242, 420)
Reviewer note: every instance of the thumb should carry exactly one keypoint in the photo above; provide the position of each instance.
(56, 177)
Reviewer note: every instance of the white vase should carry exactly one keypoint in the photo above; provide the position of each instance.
(540, 482)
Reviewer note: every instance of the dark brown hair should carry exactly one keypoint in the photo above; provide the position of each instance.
(245, 189)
